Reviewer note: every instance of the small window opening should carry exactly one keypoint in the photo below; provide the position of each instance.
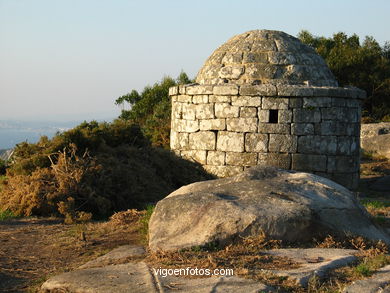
(273, 116)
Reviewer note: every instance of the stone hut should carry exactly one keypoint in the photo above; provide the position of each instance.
(264, 97)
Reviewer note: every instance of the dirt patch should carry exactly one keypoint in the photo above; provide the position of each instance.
(374, 168)
(33, 249)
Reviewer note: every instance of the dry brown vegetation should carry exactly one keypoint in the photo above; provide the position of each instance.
(248, 253)
(48, 191)
(248, 258)
(78, 187)
(33, 249)
(95, 169)
(376, 202)
(373, 165)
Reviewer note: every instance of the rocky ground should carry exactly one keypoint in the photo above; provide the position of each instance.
(33, 250)
(128, 269)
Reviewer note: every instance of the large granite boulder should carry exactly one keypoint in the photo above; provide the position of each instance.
(375, 138)
(286, 205)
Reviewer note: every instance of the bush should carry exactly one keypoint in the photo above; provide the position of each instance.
(88, 136)
(94, 174)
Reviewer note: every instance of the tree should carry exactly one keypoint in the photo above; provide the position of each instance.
(151, 109)
(366, 66)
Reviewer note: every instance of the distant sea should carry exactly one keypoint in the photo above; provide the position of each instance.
(13, 132)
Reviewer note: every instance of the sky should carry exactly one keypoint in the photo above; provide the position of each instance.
(70, 59)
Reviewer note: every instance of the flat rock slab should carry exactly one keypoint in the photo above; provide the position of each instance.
(229, 284)
(123, 278)
(118, 255)
(378, 283)
(313, 261)
(379, 144)
(139, 278)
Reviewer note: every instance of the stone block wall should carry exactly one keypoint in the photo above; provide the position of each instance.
(227, 128)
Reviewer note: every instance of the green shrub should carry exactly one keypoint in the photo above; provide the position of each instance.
(91, 136)
(144, 221)
(94, 174)
(151, 109)
(363, 270)
(375, 204)
(372, 264)
(6, 214)
(2, 180)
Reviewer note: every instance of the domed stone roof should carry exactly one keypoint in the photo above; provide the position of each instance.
(264, 56)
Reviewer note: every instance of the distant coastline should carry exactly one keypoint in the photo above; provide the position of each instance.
(13, 132)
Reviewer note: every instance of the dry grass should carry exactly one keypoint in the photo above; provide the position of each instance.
(246, 255)
(34, 249)
(379, 209)
(374, 166)
(368, 247)
(376, 202)
(372, 255)
(248, 259)
(339, 278)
